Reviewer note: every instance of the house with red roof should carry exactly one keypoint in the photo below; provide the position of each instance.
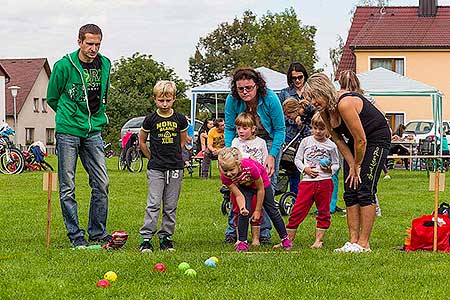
(413, 41)
(35, 120)
(4, 78)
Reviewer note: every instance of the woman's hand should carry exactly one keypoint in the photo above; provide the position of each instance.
(298, 120)
(270, 165)
(243, 211)
(354, 177)
(256, 216)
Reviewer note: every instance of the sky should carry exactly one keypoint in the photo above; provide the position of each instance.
(166, 29)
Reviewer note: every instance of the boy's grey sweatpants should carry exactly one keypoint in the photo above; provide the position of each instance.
(163, 187)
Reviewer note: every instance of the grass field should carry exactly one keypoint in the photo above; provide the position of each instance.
(28, 270)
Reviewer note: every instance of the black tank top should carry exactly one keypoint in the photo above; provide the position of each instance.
(373, 122)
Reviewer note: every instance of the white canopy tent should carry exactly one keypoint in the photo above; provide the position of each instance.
(276, 81)
(383, 82)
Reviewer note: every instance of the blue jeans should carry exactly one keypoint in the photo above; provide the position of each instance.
(92, 156)
(294, 180)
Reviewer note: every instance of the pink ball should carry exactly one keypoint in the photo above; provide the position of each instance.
(159, 267)
(103, 283)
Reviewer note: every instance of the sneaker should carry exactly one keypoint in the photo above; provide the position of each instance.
(286, 244)
(387, 177)
(265, 240)
(189, 169)
(146, 246)
(230, 239)
(359, 249)
(340, 210)
(166, 244)
(80, 242)
(106, 239)
(378, 211)
(242, 247)
(348, 247)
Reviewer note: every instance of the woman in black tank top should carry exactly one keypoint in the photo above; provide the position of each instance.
(362, 135)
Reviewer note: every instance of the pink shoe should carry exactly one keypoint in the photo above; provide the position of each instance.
(242, 247)
(286, 243)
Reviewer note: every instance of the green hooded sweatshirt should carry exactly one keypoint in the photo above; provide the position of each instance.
(67, 96)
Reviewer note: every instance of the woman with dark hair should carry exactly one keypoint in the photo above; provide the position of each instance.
(202, 137)
(296, 77)
(250, 94)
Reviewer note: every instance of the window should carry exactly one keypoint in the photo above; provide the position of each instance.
(29, 136)
(396, 65)
(50, 136)
(395, 119)
(44, 105)
(36, 104)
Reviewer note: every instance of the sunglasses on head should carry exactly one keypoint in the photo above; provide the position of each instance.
(300, 77)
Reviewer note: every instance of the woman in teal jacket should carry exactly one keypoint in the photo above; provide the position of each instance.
(250, 94)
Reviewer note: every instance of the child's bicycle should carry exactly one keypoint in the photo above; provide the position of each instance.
(35, 159)
(130, 157)
(11, 159)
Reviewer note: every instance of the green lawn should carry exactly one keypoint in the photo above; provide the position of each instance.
(28, 270)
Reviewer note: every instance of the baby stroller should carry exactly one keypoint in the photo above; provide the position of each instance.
(287, 167)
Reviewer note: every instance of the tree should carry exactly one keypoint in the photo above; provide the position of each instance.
(336, 54)
(131, 93)
(274, 41)
(222, 50)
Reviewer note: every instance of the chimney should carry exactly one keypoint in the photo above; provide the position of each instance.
(427, 8)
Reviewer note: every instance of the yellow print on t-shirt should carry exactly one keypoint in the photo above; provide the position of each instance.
(166, 126)
(167, 139)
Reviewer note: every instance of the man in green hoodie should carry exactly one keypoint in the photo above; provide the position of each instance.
(78, 92)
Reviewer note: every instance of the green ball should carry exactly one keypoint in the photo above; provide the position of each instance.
(190, 272)
(183, 266)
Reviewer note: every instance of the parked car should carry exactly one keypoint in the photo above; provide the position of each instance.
(135, 124)
(423, 128)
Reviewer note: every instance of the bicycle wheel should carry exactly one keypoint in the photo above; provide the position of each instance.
(121, 165)
(134, 160)
(45, 166)
(287, 201)
(12, 161)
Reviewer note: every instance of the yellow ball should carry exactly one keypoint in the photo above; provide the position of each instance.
(111, 276)
(215, 259)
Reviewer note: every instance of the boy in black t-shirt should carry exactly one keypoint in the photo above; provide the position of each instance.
(167, 129)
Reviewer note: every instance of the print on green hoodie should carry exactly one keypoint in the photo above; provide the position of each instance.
(67, 96)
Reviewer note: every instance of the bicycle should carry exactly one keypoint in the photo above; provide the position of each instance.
(109, 152)
(130, 157)
(35, 159)
(11, 159)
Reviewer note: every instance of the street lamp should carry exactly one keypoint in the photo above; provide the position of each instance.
(14, 90)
